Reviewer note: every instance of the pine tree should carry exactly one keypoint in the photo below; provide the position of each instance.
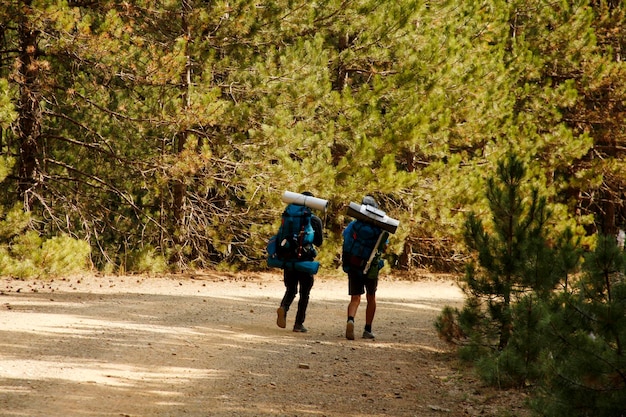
(600, 110)
(585, 362)
(512, 276)
(214, 108)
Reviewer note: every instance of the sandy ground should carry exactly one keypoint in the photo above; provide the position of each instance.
(208, 345)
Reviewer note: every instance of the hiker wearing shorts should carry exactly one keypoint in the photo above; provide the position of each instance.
(360, 282)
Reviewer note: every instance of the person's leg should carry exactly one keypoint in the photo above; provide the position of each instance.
(291, 288)
(306, 283)
(355, 301)
(355, 289)
(370, 311)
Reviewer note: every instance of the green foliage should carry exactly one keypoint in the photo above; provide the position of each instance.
(7, 109)
(512, 278)
(177, 125)
(514, 257)
(585, 360)
(518, 365)
(62, 255)
(24, 253)
(28, 256)
(13, 223)
(146, 260)
(566, 340)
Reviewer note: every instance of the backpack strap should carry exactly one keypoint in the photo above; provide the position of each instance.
(305, 216)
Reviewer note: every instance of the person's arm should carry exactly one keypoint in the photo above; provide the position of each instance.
(318, 229)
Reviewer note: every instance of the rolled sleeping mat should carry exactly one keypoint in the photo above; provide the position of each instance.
(374, 216)
(304, 200)
(310, 267)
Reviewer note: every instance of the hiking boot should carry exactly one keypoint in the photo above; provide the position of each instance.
(298, 328)
(281, 319)
(350, 330)
(368, 335)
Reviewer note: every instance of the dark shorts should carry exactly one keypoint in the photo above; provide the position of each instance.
(359, 284)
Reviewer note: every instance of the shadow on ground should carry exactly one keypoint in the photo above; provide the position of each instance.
(218, 354)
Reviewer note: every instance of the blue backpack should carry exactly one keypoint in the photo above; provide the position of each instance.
(359, 240)
(292, 248)
(294, 240)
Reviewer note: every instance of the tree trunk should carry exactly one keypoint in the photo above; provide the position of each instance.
(29, 118)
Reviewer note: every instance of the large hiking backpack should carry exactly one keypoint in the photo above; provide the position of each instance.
(294, 240)
(292, 247)
(358, 244)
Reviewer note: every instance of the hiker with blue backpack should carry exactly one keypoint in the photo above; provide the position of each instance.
(363, 246)
(293, 250)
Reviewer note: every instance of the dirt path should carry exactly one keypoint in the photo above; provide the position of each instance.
(209, 346)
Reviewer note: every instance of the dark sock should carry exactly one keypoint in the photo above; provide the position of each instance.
(350, 318)
(368, 328)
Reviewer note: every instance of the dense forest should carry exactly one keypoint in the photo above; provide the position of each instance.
(149, 135)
